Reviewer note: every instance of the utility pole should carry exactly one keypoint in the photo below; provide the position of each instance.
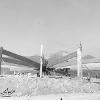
(79, 62)
(1, 49)
(41, 63)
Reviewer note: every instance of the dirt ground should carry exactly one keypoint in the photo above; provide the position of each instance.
(94, 96)
(54, 88)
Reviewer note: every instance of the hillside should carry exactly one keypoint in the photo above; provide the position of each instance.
(88, 57)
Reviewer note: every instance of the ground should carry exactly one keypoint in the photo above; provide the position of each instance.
(94, 96)
(48, 88)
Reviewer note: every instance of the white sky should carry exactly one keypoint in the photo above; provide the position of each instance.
(57, 24)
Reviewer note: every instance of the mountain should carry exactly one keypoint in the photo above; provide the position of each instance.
(88, 57)
(59, 54)
(35, 58)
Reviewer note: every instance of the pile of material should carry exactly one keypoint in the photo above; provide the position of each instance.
(25, 85)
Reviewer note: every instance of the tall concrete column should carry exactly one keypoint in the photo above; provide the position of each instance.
(41, 63)
(79, 62)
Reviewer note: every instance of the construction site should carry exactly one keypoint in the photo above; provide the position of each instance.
(27, 78)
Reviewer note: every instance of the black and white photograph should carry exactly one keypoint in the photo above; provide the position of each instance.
(49, 49)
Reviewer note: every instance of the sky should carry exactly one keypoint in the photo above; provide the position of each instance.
(57, 24)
